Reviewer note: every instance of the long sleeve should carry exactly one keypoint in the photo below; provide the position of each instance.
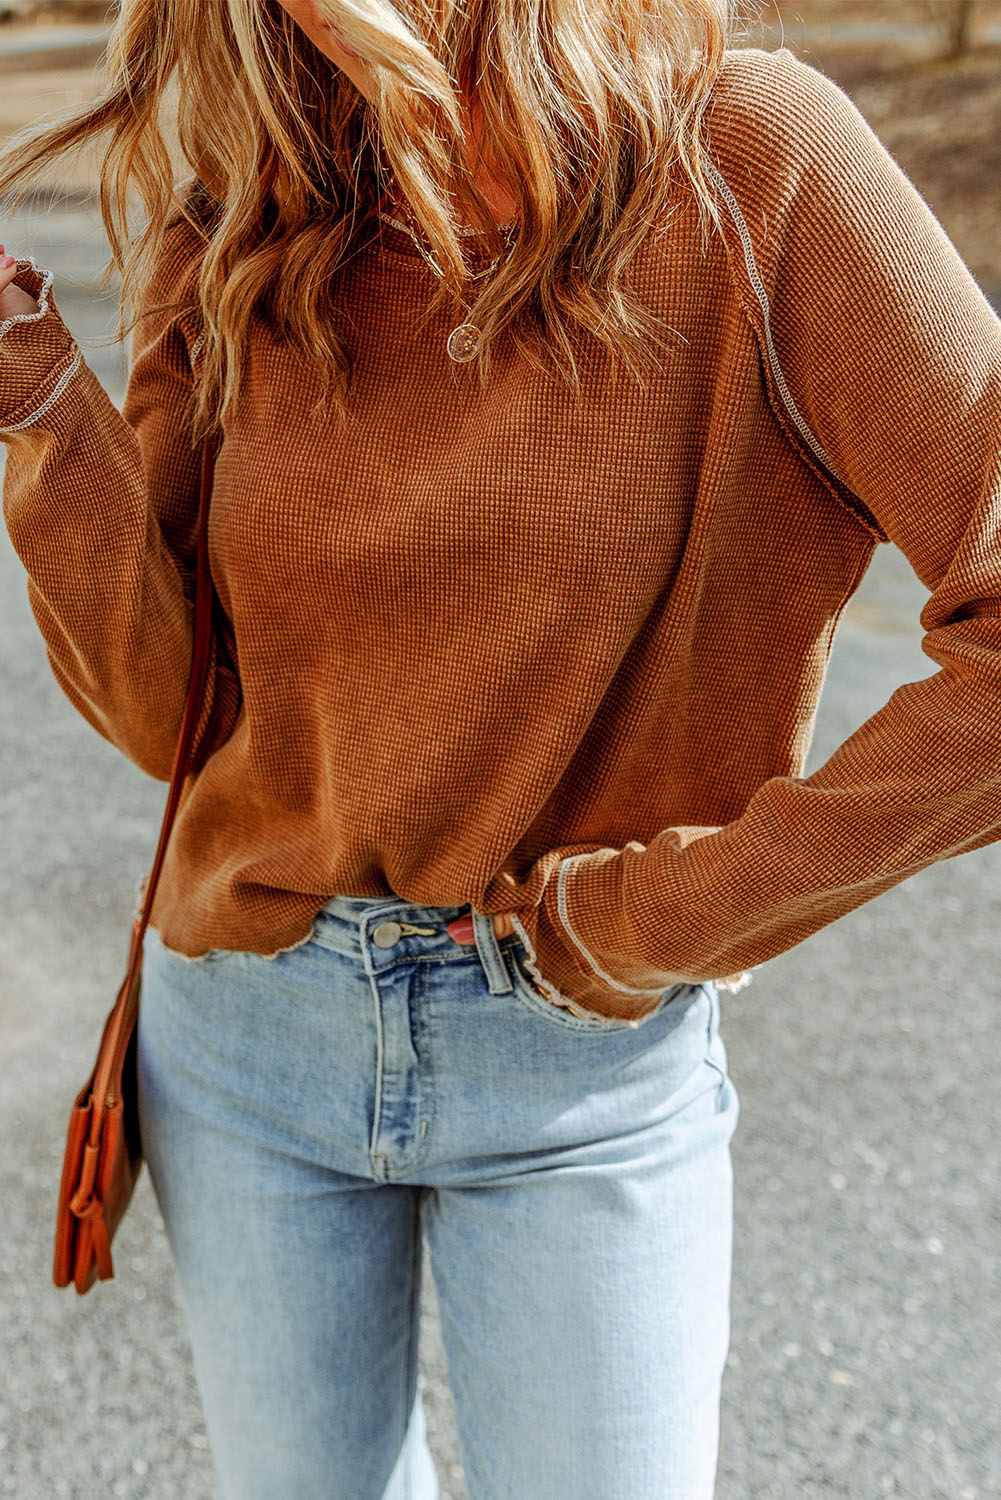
(101, 507)
(882, 360)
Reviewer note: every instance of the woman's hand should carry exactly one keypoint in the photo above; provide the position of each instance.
(462, 928)
(14, 300)
(462, 931)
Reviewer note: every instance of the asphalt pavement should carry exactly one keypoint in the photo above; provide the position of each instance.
(866, 1322)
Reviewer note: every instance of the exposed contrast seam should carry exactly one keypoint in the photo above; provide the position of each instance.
(561, 1001)
(410, 1386)
(52, 397)
(754, 276)
(42, 299)
(561, 907)
(731, 982)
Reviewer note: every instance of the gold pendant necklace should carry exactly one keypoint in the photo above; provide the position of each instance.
(463, 343)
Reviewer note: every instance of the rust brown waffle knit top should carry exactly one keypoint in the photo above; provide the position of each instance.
(553, 659)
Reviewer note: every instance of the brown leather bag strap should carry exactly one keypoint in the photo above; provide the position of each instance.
(196, 687)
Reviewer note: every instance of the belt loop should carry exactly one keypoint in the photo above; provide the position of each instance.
(498, 979)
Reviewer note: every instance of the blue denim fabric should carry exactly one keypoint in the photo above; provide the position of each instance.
(307, 1117)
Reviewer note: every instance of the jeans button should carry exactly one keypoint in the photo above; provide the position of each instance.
(386, 934)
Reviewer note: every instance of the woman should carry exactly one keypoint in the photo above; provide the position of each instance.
(498, 779)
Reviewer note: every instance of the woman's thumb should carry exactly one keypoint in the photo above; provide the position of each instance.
(14, 300)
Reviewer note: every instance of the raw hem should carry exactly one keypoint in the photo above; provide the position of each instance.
(564, 916)
(531, 964)
(211, 954)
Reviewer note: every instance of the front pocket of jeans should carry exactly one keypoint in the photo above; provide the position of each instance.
(557, 1015)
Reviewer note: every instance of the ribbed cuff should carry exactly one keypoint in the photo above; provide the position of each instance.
(38, 354)
(581, 945)
(559, 941)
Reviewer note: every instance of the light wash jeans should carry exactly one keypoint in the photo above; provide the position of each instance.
(306, 1118)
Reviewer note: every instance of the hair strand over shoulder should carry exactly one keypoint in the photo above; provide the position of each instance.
(593, 111)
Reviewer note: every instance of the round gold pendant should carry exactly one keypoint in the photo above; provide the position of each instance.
(463, 343)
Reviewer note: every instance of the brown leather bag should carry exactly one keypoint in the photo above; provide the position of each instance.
(103, 1156)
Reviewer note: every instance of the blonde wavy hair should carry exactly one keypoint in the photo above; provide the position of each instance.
(592, 110)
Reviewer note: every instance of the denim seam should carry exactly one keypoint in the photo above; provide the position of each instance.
(380, 1056)
(423, 1016)
(488, 950)
(713, 1008)
(410, 1364)
(428, 1038)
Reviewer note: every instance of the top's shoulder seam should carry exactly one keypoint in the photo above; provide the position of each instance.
(761, 293)
(757, 307)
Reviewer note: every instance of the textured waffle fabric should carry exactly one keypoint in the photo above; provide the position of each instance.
(552, 658)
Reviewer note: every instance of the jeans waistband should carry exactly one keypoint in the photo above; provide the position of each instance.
(361, 916)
